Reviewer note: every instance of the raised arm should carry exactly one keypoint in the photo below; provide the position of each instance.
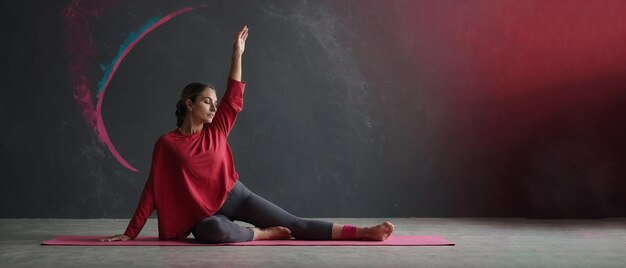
(232, 101)
(238, 47)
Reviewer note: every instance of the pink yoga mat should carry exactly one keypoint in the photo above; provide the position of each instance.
(394, 240)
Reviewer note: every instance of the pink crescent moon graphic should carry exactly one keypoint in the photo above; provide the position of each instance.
(77, 18)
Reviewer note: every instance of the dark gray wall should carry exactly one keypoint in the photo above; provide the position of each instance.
(345, 115)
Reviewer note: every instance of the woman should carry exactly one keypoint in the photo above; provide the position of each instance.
(195, 189)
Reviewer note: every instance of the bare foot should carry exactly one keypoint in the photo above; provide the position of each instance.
(271, 233)
(379, 232)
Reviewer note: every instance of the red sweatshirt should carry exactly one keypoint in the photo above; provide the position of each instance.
(191, 175)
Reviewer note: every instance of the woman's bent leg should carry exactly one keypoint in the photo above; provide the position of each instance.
(219, 229)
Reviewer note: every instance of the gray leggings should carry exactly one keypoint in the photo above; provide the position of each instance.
(244, 205)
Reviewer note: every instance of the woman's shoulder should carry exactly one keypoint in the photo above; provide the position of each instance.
(174, 137)
(168, 136)
(164, 141)
(164, 138)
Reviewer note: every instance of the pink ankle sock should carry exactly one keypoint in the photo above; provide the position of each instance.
(348, 232)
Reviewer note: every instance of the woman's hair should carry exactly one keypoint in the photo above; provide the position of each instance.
(191, 91)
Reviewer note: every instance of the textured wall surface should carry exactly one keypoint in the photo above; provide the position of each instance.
(352, 108)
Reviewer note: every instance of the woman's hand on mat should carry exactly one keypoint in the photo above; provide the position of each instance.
(119, 237)
(240, 41)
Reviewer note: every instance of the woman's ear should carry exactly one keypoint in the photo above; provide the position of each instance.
(188, 104)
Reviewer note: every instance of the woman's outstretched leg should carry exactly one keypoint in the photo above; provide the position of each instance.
(262, 213)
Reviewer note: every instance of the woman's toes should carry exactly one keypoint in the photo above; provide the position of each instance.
(284, 232)
(389, 226)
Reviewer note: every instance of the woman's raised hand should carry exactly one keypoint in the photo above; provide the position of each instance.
(119, 237)
(238, 48)
(240, 41)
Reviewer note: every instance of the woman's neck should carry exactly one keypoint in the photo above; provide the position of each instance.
(189, 128)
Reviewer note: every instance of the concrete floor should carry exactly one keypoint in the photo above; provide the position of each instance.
(481, 242)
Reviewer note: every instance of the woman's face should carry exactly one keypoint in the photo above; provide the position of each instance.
(205, 106)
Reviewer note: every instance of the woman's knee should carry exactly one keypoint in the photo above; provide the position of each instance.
(211, 230)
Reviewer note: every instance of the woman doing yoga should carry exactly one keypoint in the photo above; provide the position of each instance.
(194, 187)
